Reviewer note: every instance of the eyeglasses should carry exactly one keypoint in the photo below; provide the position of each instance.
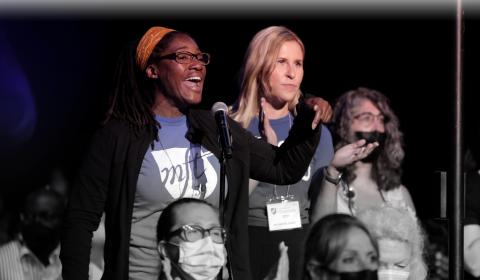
(369, 118)
(192, 233)
(188, 57)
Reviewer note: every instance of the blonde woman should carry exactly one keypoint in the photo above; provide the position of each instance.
(270, 88)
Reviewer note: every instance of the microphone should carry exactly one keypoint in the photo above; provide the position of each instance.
(220, 111)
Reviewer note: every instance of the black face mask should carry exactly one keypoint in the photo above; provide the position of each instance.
(359, 275)
(372, 137)
(39, 238)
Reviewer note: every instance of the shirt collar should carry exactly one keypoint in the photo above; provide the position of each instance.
(25, 251)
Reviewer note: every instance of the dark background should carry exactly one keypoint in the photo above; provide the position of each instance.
(56, 74)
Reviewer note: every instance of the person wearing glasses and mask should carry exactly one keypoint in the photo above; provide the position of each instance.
(366, 168)
(191, 243)
(191, 240)
(340, 247)
(154, 148)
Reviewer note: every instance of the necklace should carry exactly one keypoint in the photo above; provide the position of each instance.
(349, 194)
(199, 179)
(175, 177)
(199, 186)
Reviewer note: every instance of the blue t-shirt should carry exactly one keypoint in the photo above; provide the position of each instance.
(257, 215)
(173, 169)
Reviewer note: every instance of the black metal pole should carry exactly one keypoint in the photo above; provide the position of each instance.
(222, 190)
(221, 199)
(456, 225)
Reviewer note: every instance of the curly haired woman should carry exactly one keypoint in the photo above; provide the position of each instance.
(366, 168)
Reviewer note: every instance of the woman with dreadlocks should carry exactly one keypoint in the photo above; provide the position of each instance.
(155, 148)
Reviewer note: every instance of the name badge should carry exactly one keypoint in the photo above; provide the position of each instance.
(283, 215)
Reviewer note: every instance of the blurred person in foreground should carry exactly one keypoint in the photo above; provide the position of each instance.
(471, 229)
(400, 239)
(191, 243)
(340, 247)
(34, 253)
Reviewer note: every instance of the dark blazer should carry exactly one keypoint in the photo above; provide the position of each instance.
(107, 179)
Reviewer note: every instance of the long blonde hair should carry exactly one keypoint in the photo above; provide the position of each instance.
(258, 65)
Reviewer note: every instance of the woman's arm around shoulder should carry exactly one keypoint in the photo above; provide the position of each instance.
(286, 164)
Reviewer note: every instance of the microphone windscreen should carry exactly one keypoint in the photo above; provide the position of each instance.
(219, 106)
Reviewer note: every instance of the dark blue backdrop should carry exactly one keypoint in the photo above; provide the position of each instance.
(56, 74)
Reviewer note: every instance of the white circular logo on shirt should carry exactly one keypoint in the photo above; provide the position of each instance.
(184, 170)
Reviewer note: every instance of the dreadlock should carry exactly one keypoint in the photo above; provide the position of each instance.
(133, 96)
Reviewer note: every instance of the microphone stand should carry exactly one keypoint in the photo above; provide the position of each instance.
(222, 161)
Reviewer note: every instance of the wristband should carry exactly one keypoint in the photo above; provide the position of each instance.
(331, 179)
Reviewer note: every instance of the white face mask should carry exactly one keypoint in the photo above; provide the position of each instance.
(392, 274)
(201, 259)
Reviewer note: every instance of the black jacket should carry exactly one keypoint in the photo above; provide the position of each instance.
(108, 175)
